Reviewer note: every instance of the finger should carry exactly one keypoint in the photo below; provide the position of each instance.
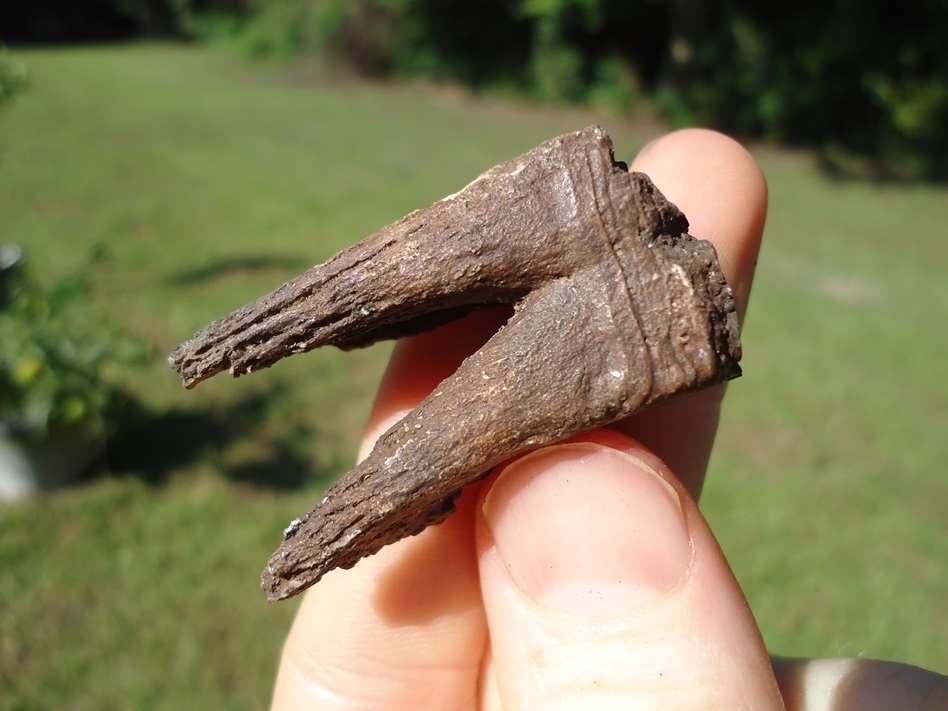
(858, 685)
(404, 629)
(722, 191)
(605, 589)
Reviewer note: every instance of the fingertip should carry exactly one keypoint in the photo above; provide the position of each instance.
(721, 189)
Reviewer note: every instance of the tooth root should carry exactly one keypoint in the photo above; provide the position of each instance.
(520, 224)
(533, 383)
(530, 385)
(420, 465)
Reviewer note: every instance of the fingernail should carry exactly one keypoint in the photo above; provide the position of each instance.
(587, 529)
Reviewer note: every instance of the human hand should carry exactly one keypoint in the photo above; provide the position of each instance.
(580, 576)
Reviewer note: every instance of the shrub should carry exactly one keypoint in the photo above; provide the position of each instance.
(13, 76)
(57, 369)
(850, 78)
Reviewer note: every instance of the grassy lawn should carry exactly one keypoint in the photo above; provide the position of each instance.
(206, 182)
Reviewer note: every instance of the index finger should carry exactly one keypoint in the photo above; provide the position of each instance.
(718, 185)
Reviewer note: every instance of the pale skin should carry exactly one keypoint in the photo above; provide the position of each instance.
(581, 576)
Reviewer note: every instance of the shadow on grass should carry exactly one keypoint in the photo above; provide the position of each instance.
(236, 265)
(234, 438)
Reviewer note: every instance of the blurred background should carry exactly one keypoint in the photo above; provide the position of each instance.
(163, 162)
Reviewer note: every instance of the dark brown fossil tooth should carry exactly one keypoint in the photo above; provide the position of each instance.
(617, 308)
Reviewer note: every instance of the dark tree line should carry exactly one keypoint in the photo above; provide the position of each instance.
(865, 81)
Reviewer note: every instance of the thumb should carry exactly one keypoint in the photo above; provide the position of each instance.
(605, 589)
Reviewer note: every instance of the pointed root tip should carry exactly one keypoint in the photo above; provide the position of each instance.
(278, 589)
(280, 584)
(273, 585)
(275, 593)
(178, 360)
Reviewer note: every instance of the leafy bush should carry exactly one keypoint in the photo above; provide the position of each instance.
(13, 76)
(362, 34)
(55, 363)
(864, 79)
(279, 28)
(617, 86)
(849, 78)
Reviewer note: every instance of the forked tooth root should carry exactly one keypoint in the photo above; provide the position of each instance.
(618, 309)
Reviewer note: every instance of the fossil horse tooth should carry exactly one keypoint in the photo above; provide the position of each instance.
(617, 308)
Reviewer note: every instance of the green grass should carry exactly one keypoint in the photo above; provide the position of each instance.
(829, 485)
(208, 182)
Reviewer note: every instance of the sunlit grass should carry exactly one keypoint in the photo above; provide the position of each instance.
(829, 489)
